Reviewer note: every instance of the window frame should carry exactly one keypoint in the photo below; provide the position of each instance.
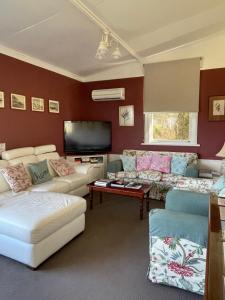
(148, 132)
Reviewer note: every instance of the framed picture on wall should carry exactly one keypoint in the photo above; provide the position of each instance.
(217, 108)
(37, 104)
(53, 106)
(2, 101)
(18, 102)
(126, 115)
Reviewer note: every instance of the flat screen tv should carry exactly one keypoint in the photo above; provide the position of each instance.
(83, 137)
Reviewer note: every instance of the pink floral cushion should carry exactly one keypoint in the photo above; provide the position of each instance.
(61, 167)
(17, 177)
(144, 163)
(161, 163)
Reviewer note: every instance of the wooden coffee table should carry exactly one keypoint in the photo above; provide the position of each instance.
(140, 194)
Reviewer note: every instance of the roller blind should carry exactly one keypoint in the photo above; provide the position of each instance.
(172, 86)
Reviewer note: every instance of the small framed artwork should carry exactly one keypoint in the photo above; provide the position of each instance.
(2, 101)
(126, 115)
(18, 102)
(37, 104)
(53, 106)
(217, 108)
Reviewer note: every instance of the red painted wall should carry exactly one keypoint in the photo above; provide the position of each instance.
(211, 135)
(27, 128)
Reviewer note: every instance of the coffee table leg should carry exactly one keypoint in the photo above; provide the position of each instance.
(91, 199)
(100, 197)
(141, 208)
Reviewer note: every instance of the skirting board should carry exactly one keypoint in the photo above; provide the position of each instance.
(211, 164)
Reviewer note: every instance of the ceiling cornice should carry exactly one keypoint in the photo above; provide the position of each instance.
(39, 63)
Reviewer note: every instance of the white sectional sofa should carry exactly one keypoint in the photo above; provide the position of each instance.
(37, 222)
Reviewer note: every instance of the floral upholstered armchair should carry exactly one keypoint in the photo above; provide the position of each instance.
(178, 241)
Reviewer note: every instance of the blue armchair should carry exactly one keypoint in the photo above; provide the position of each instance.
(178, 241)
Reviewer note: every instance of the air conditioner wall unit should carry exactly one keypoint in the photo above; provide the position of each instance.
(108, 94)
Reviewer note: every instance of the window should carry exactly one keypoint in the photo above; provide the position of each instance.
(171, 128)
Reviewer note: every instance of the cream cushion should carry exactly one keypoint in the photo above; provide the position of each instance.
(31, 217)
(18, 152)
(44, 149)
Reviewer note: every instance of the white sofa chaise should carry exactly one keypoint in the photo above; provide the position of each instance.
(34, 225)
(37, 222)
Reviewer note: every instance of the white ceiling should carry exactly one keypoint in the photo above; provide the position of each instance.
(58, 33)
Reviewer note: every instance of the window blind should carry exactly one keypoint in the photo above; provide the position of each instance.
(172, 86)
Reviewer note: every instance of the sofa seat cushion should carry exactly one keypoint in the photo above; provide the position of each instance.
(150, 175)
(74, 180)
(35, 216)
(51, 186)
(200, 185)
(130, 175)
(171, 178)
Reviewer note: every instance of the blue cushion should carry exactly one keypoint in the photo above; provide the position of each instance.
(188, 202)
(178, 165)
(219, 185)
(191, 171)
(129, 163)
(179, 225)
(39, 172)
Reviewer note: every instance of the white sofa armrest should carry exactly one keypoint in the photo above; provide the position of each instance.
(82, 168)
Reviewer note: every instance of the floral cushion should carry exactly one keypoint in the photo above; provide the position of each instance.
(161, 163)
(61, 167)
(129, 163)
(179, 165)
(150, 175)
(177, 262)
(143, 162)
(17, 177)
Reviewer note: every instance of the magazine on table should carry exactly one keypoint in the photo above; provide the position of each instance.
(103, 182)
(133, 185)
(117, 183)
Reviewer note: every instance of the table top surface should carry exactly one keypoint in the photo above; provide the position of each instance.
(123, 190)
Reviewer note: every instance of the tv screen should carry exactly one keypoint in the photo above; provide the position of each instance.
(87, 137)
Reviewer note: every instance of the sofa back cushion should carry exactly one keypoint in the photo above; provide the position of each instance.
(129, 163)
(161, 163)
(144, 163)
(17, 177)
(191, 157)
(18, 152)
(179, 165)
(39, 172)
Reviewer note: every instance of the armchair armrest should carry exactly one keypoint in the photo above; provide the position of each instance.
(82, 168)
(188, 202)
(115, 166)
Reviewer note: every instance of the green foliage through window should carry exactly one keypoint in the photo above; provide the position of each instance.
(171, 126)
